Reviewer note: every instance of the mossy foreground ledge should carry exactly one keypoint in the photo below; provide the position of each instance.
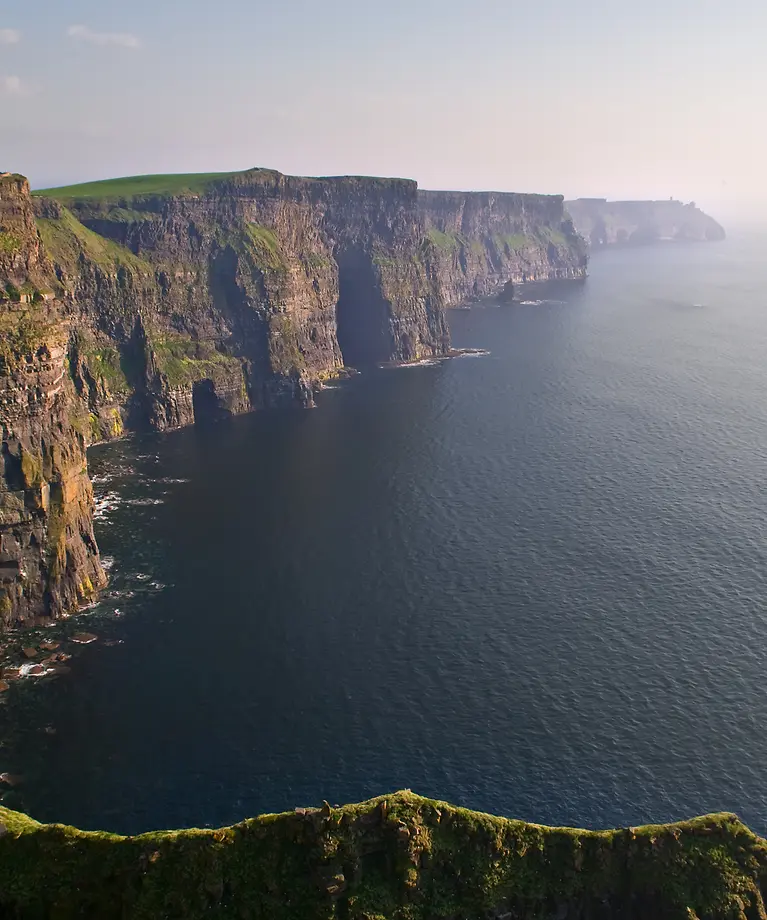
(398, 856)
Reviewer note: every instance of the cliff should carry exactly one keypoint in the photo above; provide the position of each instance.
(238, 292)
(610, 223)
(484, 240)
(134, 305)
(398, 856)
(48, 556)
(160, 301)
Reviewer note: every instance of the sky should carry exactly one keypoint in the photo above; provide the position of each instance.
(608, 98)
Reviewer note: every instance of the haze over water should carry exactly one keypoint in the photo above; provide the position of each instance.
(533, 583)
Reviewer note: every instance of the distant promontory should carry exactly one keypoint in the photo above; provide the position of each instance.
(633, 223)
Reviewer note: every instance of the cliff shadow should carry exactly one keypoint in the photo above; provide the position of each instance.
(362, 313)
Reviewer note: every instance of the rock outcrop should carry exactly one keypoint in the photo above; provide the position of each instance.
(245, 293)
(49, 561)
(157, 302)
(484, 241)
(633, 223)
(398, 856)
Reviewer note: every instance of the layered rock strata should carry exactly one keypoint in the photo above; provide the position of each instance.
(161, 301)
(48, 556)
(484, 241)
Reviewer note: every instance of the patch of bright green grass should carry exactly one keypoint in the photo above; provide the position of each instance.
(184, 360)
(136, 186)
(106, 362)
(446, 241)
(267, 247)
(66, 239)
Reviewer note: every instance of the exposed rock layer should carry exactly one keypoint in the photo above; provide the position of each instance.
(48, 557)
(399, 856)
(611, 223)
(128, 305)
(249, 287)
(484, 240)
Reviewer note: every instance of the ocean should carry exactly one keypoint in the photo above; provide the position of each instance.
(531, 581)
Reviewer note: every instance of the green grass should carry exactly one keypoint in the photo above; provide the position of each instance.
(397, 857)
(449, 242)
(66, 239)
(184, 360)
(512, 241)
(554, 236)
(267, 247)
(105, 362)
(136, 186)
(9, 242)
(317, 262)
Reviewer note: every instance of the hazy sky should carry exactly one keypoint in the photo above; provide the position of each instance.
(640, 99)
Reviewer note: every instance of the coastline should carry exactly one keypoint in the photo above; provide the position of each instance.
(398, 855)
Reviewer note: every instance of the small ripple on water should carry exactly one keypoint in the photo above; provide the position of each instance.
(534, 586)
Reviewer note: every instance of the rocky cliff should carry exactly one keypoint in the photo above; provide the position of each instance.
(240, 292)
(482, 241)
(159, 301)
(399, 857)
(48, 557)
(610, 223)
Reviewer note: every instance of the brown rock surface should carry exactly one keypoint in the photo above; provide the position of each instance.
(160, 310)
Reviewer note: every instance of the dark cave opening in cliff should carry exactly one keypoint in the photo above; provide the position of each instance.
(206, 405)
(361, 312)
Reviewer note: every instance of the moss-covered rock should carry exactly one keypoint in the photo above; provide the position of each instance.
(397, 857)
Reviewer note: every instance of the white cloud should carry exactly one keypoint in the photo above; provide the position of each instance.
(9, 37)
(123, 39)
(13, 86)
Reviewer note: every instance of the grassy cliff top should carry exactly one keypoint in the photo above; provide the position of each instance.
(130, 188)
(397, 857)
(136, 186)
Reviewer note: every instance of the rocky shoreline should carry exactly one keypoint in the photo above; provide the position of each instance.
(130, 312)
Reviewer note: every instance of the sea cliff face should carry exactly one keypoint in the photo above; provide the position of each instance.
(398, 857)
(49, 561)
(245, 293)
(632, 223)
(483, 241)
(162, 301)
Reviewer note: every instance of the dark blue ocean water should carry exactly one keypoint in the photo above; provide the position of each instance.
(533, 583)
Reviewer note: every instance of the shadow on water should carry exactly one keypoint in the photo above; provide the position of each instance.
(530, 582)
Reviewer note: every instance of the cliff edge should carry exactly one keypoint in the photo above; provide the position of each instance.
(49, 561)
(483, 241)
(633, 223)
(154, 302)
(397, 857)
